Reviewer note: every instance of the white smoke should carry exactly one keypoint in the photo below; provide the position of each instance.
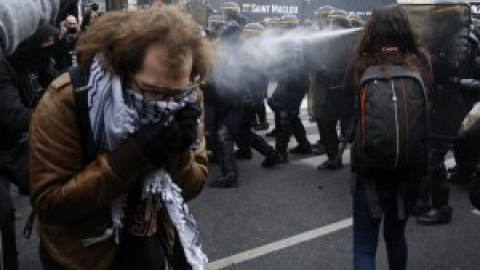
(275, 55)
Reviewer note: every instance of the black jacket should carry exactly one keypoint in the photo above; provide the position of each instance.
(63, 52)
(14, 115)
(452, 61)
(20, 91)
(292, 77)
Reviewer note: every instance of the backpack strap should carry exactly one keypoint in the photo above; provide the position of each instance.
(79, 81)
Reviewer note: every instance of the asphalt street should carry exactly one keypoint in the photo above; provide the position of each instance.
(296, 217)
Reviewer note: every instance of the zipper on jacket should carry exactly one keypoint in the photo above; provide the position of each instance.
(397, 129)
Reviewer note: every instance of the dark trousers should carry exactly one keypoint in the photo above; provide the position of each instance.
(261, 112)
(466, 157)
(437, 186)
(289, 123)
(329, 136)
(232, 119)
(247, 139)
(366, 230)
(7, 227)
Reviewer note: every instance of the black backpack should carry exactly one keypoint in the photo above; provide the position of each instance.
(393, 125)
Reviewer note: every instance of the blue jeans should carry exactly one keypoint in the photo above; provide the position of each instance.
(366, 229)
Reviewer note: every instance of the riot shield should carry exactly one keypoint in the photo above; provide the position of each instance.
(330, 50)
(444, 28)
(327, 55)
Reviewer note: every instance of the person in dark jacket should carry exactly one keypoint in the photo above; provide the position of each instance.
(15, 26)
(23, 77)
(69, 8)
(388, 39)
(65, 46)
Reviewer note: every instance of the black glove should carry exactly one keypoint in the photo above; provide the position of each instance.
(187, 120)
(158, 142)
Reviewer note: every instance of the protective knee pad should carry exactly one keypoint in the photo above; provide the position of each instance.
(224, 133)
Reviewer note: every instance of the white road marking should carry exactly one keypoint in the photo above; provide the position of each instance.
(278, 245)
(314, 161)
(450, 162)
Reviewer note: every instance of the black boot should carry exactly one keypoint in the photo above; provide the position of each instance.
(243, 154)
(261, 126)
(461, 177)
(228, 166)
(272, 160)
(229, 180)
(436, 217)
(304, 147)
(244, 149)
(272, 133)
(260, 145)
(330, 165)
(301, 149)
(318, 149)
(420, 208)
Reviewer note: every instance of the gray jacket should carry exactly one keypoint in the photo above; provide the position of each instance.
(20, 18)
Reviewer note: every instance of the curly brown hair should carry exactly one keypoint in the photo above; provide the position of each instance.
(120, 39)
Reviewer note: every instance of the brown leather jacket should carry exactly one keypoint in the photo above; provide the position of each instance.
(72, 199)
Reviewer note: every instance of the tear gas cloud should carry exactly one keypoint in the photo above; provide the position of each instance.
(275, 55)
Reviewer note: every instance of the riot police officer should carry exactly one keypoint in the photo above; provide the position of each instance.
(449, 46)
(231, 12)
(254, 87)
(223, 114)
(466, 157)
(259, 93)
(332, 104)
(292, 86)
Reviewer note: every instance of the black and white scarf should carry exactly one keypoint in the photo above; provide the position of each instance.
(113, 119)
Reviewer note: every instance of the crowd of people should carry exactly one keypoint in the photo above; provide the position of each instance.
(107, 123)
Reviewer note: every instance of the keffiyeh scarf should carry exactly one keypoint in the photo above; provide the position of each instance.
(113, 119)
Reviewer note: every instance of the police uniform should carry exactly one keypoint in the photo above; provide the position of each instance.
(449, 48)
(331, 102)
(285, 101)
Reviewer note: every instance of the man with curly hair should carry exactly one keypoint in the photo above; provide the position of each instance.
(123, 207)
